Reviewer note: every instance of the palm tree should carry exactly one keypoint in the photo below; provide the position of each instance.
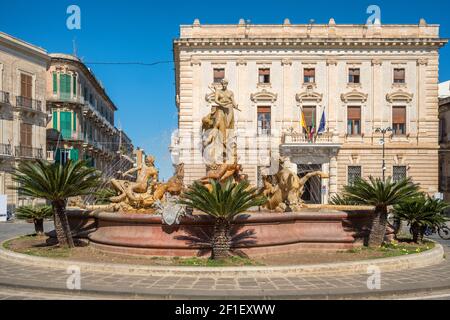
(224, 202)
(421, 212)
(380, 194)
(35, 214)
(56, 183)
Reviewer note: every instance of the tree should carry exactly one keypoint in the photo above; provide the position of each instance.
(35, 214)
(420, 213)
(56, 183)
(223, 203)
(380, 194)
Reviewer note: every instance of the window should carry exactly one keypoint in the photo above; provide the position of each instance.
(65, 124)
(62, 156)
(74, 84)
(55, 83)
(442, 177)
(442, 130)
(398, 173)
(353, 120)
(399, 75)
(309, 75)
(264, 120)
(26, 135)
(310, 117)
(219, 75)
(26, 86)
(399, 120)
(353, 174)
(354, 75)
(264, 75)
(64, 86)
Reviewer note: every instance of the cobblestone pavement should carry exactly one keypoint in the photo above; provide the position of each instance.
(16, 278)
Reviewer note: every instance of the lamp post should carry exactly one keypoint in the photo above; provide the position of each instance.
(383, 143)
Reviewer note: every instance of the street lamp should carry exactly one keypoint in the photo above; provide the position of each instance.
(383, 143)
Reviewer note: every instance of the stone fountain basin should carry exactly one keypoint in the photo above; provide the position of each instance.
(253, 233)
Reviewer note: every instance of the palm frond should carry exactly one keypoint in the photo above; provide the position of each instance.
(377, 192)
(226, 200)
(41, 179)
(422, 211)
(30, 212)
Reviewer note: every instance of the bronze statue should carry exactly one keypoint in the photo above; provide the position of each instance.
(142, 194)
(219, 121)
(286, 193)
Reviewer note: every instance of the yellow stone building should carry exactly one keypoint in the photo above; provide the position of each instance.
(23, 113)
(346, 80)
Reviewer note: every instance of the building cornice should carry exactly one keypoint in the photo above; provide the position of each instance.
(22, 46)
(407, 43)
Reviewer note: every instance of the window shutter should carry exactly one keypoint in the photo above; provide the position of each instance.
(398, 114)
(354, 113)
(26, 135)
(399, 74)
(264, 72)
(64, 80)
(263, 109)
(74, 155)
(310, 72)
(55, 120)
(55, 82)
(26, 84)
(74, 84)
(354, 72)
(74, 116)
(66, 124)
(58, 155)
(219, 74)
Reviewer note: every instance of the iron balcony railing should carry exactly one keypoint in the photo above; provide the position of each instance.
(29, 103)
(5, 149)
(4, 97)
(29, 152)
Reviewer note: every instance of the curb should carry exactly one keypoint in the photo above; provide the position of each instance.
(420, 260)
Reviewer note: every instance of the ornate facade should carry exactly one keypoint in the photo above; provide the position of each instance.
(352, 78)
(23, 113)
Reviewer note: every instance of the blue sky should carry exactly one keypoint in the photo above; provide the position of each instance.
(142, 31)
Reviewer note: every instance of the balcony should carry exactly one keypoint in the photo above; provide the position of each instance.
(90, 110)
(5, 150)
(29, 152)
(299, 138)
(28, 104)
(66, 98)
(4, 97)
(317, 148)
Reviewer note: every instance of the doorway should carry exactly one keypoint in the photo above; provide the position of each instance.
(313, 187)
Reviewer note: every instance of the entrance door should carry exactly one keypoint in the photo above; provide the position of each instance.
(313, 188)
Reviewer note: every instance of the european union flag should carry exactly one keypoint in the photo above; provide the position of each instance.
(323, 124)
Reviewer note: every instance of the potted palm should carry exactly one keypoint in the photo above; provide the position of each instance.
(420, 213)
(380, 194)
(224, 202)
(35, 215)
(56, 183)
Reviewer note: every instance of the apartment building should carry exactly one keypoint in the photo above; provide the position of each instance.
(82, 117)
(23, 114)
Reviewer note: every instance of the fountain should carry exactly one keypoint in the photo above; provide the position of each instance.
(144, 217)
